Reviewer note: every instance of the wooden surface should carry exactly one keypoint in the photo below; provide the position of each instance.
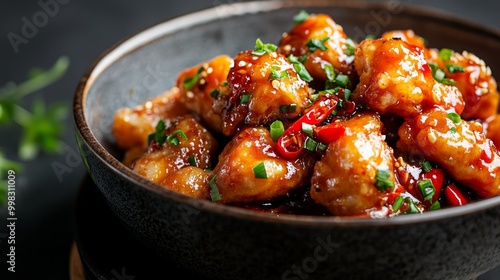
(76, 271)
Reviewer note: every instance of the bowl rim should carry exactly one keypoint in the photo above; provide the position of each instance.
(148, 35)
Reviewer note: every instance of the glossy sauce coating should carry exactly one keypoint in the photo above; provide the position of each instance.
(256, 96)
(252, 146)
(320, 27)
(131, 126)
(460, 148)
(161, 161)
(197, 97)
(364, 158)
(344, 179)
(396, 79)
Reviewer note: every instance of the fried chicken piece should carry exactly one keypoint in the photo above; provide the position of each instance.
(344, 180)
(253, 146)
(131, 126)
(197, 85)
(262, 88)
(320, 29)
(458, 146)
(396, 79)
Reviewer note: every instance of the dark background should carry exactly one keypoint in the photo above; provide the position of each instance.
(82, 30)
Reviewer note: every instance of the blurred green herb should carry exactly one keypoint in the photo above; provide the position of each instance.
(41, 126)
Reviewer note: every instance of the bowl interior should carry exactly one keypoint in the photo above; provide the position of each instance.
(148, 63)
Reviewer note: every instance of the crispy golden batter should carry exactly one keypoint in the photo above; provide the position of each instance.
(261, 88)
(131, 126)
(396, 79)
(234, 173)
(344, 179)
(161, 161)
(460, 148)
(209, 76)
(476, 83)
(320, 27)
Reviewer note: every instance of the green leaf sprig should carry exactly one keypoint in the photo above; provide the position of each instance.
(42, 126)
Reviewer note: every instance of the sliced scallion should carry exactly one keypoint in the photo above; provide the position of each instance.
(427, 189)
(301, 17)
(315, 44)
(214, 190)
(398, 202)
(276, 129)
(259, 171)
(454, 117)
(383, 183)
(245, 98)
(445, 54)
(190, 81)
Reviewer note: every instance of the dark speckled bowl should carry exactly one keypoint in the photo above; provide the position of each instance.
(222, 242)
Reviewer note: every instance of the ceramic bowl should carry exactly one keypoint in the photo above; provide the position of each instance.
(222, 242)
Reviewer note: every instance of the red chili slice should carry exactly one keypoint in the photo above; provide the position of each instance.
(436, 176)
(291, 143)
(329, 133)
(454, 196)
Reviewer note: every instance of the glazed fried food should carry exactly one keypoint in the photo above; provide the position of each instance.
(396, 79)
(237, 174)
(131, 126)
(323, 42)
(344, 180)
(180, 143)
(322, 124)
(199, 84)
(255, 80)
(458, 146)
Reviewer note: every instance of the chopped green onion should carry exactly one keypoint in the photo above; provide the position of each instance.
(159, 134)
(454, 117)
(245, 98)
(192, 161)
(307, 129)
(445, 54)
(288, 108)
(315, 44)
(310, 144)
(329, 72)
(347, 94)
(342, 80)
(435, 206)
(276, 129)
(427, 189)
(173, 139)
(259, 171)
(214, 190)
(350, 47)
(276, 75)
(412, 207)
(301, 17)
(398, 202)
(215, 93)
(453, 130)
(321, 147)
(370, 37)
(261, 48)
(300, 68)
(454, 68)
(426, 166)
(440, 76)
(383, 182)
(190, 81)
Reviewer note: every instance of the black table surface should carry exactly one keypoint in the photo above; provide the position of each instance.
(82, 30)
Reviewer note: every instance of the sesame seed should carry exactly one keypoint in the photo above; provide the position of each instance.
(432, 137)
